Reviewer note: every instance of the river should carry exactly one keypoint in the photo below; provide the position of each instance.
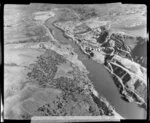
(101, 79)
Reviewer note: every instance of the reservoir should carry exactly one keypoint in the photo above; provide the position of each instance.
(101, 79)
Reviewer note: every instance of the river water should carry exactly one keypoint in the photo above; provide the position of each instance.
(101, 79)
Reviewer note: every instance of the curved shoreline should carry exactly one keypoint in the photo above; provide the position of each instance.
(124, 92)
(93, 90)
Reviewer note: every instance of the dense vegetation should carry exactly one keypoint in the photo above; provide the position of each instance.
(74, 93)
(102, 37)
(85, 12)
(67, 15)
(138, 56)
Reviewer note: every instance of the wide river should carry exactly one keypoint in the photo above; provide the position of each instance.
(101, 79)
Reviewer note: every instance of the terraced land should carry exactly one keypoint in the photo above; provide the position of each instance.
(122, 49)
(34, 80)
(46, 76)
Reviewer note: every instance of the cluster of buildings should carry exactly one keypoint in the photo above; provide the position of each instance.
(110, 45)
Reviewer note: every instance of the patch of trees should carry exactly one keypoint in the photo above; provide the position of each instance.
(139, 53)
(47, 110)
(35, 30)
(38, 77)
(141, 46)
(67, 15)
(68, 85)
(92, 54)
(86, 12)
(102, 37)
(72, 89)
(102, 105)
(25, 116)
(45, 68)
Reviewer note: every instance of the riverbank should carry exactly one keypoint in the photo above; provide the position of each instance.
(63, 51)
(125, 91)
